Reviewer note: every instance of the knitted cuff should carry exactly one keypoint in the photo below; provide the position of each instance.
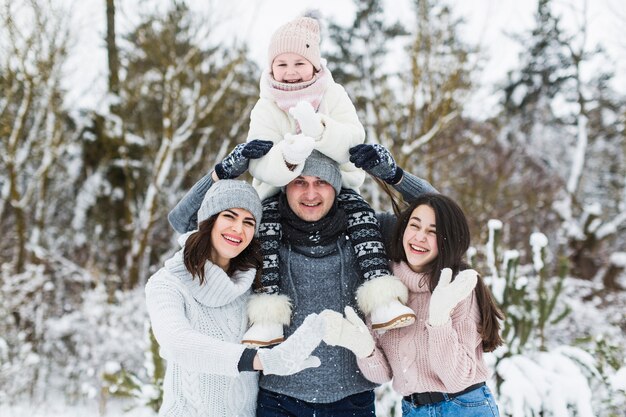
(220, 171)
(246, 360)
(397, 177)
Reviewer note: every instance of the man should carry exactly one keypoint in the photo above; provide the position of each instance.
(316, 274)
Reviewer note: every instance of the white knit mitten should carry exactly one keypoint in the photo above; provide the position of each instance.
(294, 354)
(349, 332)
(448, 294)
(310, 122)
(296, 148)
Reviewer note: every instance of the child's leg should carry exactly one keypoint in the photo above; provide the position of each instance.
(382, 296)
(268, 311)
(364, 232)
(269, 236)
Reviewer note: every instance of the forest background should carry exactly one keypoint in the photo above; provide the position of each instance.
(88, 173)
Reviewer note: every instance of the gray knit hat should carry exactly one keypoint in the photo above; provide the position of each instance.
(227, 194)
(319, 165)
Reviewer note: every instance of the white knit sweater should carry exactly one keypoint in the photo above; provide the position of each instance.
(199, 329)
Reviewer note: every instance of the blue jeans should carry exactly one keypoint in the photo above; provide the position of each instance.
(271, 404)
(476, 403)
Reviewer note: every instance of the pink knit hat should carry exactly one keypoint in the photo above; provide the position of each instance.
(300, 36)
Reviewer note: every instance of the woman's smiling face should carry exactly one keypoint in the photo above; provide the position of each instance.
(420, 238)
(231, 234)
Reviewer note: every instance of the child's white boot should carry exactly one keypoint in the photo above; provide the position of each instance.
(267, 314)
(384, 300)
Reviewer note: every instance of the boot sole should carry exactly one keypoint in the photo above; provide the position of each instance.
(261, 343)
(398, 322)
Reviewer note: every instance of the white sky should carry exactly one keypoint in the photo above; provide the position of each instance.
(255, 21)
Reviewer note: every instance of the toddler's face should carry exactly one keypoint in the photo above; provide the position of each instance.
(292, 68)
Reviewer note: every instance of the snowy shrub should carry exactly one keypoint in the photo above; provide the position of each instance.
(123, 383)
(545, 368)
(101, 334)
(546, 384)
(26, 300)
(60, 330)
(388, 402)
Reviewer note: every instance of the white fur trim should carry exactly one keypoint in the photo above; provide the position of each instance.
(269, 308)
(380, 291)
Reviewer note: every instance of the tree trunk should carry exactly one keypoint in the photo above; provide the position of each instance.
(114, 64)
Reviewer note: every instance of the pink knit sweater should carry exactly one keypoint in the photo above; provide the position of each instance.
(422, 358)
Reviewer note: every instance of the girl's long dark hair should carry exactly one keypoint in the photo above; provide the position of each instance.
(453, 240)
(198, 249)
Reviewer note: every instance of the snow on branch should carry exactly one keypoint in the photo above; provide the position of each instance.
(428, 136)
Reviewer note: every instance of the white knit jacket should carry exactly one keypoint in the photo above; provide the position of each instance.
(199, 329)
(342, 131)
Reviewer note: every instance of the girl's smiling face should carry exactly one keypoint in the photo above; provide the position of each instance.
(420, 238)
(292, 68)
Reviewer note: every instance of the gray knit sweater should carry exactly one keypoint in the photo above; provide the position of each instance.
(316, 279)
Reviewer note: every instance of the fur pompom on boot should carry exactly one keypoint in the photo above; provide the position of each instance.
(267, 314)
(384, 300)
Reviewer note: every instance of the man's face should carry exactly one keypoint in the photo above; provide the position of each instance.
(310, 197)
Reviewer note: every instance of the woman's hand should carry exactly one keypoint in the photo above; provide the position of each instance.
(448, 294)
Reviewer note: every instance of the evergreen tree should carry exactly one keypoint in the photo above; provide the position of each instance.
(184, 101)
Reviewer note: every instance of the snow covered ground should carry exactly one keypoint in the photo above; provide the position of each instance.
(60, 408)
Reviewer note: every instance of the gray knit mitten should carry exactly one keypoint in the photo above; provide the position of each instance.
(236, 163)
(376, 160)
(294, 354)
(448, 294)
(349, 332)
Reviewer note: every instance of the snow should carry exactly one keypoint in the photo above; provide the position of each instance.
(95, 330)
(618, 380)
(618, 259)
(548, 382)
(60, 408)
(538, 241)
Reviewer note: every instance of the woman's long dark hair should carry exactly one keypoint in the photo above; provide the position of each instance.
(198, 249)
(453, 240)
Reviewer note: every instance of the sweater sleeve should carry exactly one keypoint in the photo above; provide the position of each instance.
(412, 187)
(267, 122)
(179, 342)
(454, 348)
(342, 130)
(184, 216)
(375, 367)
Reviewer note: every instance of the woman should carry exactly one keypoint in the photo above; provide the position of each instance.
(197, 307)
(437, 364)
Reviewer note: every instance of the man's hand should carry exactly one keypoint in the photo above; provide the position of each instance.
(377, 161)
(236, 163)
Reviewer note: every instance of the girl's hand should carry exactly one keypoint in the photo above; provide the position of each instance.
(309, 121)
(448, 294)
(349, 332)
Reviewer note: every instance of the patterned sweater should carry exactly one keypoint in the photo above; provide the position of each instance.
(422, 358)
(199, 328)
